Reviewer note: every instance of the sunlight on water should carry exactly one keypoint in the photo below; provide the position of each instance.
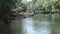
(28, 27)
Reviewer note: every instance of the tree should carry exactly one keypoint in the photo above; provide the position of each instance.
(57, 4)
(5, 9)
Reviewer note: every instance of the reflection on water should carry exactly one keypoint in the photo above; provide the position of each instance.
(38, 24)
(30, 26)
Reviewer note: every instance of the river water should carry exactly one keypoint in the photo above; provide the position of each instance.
(38, 24)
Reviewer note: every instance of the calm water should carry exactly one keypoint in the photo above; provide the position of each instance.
(38, 24)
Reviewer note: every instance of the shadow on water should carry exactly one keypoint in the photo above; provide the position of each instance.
(11, 28)
(5, 28)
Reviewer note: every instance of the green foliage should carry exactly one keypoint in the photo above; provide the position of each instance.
(57, 4)
(5, 9)
(43, 5)
(24, 7)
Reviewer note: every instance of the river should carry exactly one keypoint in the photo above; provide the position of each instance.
(37, 24)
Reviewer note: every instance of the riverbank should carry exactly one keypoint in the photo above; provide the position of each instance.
(46, 12)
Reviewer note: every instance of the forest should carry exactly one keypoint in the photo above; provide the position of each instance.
(43, 6)
(35, 6)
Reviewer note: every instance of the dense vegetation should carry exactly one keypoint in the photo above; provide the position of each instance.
(5, 9)
(32, 6)
(43, 5)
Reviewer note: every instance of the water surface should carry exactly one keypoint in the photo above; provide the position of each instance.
(38, 24)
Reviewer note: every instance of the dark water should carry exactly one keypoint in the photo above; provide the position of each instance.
(38, 24)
